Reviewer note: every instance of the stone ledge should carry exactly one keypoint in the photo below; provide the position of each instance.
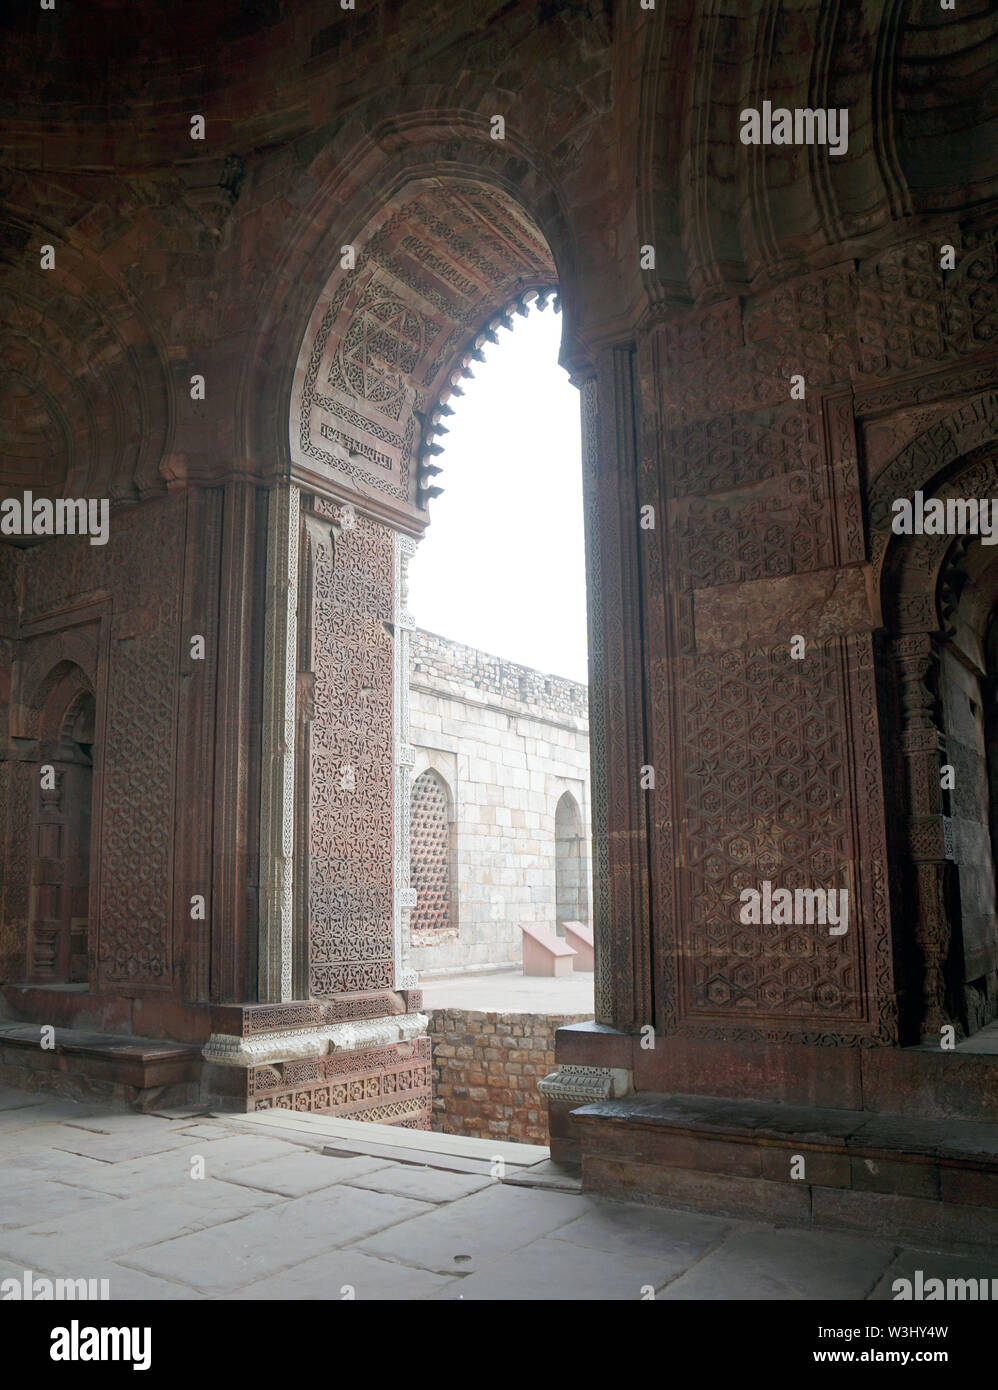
(937, 1181)
(228, 1050)
(90, 1063)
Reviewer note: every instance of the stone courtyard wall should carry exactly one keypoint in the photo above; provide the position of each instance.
(486, 1067)
(508, 742)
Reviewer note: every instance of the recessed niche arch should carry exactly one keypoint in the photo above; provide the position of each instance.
(939, 597)
(60, 919)
(433, 873)
(571, 903)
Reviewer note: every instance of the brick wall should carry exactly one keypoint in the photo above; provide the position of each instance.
(486, 1067)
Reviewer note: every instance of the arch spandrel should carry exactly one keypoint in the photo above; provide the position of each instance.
(389, 339)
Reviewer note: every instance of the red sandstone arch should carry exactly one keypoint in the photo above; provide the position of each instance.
(404, 162)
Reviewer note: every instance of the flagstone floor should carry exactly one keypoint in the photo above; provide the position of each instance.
(179, 1206)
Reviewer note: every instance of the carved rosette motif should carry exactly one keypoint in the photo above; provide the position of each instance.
(381, 1084)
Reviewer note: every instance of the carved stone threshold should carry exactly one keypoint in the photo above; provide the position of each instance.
(227, 1050)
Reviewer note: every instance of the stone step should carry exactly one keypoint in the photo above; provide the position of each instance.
(931, 1181)
(140, 1072)
(363, 1136)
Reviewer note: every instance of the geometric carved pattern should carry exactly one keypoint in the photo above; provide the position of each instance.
(727, 539)
(383, 341)
(395, 323)
(431, 867)
(384, 1084)
(912, 315)
(134, 927)
(728, 451)
(766, 797)
(350, 775)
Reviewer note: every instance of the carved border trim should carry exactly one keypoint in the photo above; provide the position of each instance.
(403, 895)
(278, 750)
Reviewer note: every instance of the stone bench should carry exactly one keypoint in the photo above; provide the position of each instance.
(546, 954)
(580, 938)
(104, 1066)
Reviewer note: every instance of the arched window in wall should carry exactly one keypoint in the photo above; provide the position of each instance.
(432, 869)
(570, 863)
(60, 886)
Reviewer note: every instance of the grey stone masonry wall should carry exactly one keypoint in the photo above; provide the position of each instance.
(509, 742)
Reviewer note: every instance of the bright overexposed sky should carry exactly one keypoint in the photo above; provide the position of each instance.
(502, 565)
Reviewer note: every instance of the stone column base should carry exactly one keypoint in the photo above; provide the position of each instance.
(374, 1069)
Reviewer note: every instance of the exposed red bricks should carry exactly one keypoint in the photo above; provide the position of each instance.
(486, 1067)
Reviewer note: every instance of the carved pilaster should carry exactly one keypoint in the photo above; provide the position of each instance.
(928, 830)
(278, 750)
(621, 899)
(403, 896)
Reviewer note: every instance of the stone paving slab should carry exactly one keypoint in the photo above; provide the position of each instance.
(296, 1173)
(463, 1236)
(50, 1111)
(551, 1269)
(325, 1277)
(675, 1238)
(83, 1242)
(559, 1177)
(123, 1145)
(425, 1184)
(133, 1283)
(786, 1264)
(134, 1176)
(447, 1163)
(221, 1259)
(23, 1202)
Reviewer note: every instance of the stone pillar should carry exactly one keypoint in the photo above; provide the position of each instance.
(236, 797)
(277, 811)
(621, 906)
(403, 895)
(928, 831)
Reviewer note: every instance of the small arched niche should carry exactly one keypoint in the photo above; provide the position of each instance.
(571, 898)
(60, 916)
(431, 858)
